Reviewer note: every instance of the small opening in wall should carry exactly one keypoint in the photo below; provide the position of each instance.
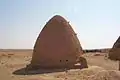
(66, 60)
(60, 60)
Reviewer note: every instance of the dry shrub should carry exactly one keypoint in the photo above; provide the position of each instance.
(3, 55)
(10, 54)
(97, 54)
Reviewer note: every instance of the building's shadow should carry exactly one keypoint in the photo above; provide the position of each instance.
(37, 70)
(23, 71)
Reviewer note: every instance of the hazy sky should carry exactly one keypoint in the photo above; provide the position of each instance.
(96, 22)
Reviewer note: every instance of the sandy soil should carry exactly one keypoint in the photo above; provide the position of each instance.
(13, 62)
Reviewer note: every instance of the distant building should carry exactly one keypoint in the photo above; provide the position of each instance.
(114, 53)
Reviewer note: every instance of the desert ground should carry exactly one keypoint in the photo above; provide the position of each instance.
(13, 62)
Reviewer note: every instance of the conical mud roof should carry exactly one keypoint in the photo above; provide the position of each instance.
(57, 45)
(114, 53)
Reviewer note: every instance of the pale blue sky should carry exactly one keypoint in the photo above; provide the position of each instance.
(96, 22)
